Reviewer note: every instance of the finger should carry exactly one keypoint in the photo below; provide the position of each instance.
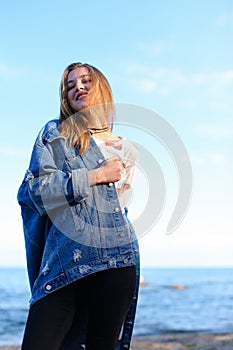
(114, 159)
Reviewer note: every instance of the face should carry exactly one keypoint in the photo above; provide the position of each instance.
(79, 84)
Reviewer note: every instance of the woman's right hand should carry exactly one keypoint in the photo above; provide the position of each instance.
(110, 171)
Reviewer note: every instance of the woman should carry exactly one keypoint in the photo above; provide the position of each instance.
(82, 253)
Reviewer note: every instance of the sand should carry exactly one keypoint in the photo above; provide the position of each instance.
(223, 341)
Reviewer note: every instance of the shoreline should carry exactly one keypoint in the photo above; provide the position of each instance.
(177, 341)
(184, 341)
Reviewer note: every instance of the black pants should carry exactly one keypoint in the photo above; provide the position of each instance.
(107, 295)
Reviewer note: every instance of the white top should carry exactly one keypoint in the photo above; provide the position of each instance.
(128, 153)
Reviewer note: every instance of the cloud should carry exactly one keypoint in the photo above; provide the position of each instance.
(224, 19)
(154, 49)
(221, 20)
(160, 81)
(197, 159)
(218, 159)
(148, 86)
(145, 85)
(7, 71)
(13, 152)
(217, 130)
(215, 87)
(209, 158)
(175, 77)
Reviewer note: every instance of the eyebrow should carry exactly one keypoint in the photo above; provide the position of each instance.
(81, 76)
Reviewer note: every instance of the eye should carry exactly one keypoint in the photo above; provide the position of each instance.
(86, 80)
(70, 87)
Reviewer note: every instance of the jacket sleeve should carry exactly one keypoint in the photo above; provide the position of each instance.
(50, 182)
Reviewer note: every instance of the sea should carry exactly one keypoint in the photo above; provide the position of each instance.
(171, 300)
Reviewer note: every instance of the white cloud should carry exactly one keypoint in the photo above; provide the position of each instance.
(148, 86)
(147, 79)
(197, 159)
(13, 152)
(217, 130)
(218, 159)
(168, 80)
(209, 158)
(145, 85)
(224, 19)
(221, 20)
(154, 49)
(7, 71)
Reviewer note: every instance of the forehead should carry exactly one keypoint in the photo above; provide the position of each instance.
(78, 73)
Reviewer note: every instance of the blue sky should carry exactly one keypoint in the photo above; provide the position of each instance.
(172, 57)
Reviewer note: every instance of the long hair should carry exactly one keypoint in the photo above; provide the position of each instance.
(99, 114)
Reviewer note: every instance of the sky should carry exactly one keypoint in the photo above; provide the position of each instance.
(173, 58)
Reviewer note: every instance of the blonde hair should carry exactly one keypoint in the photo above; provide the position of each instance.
(100, 112)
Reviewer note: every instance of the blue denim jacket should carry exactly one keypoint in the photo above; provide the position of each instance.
(71, 229)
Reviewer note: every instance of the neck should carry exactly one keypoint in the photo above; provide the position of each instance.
(98, 130)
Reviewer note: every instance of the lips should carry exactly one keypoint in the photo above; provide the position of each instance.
(81, 95)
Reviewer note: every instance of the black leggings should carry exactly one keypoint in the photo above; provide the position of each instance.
(107, 294)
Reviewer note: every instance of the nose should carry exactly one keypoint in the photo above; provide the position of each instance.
(80, 86)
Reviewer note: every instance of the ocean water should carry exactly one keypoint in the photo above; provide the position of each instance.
(172, 300)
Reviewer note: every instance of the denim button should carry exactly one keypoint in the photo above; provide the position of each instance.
(100, 161)
(112, 262)
(117, 210)
(48, 287)
(126, 261)
(110, 184)
(122, 234)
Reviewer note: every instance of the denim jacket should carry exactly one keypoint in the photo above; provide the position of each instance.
(71, 229)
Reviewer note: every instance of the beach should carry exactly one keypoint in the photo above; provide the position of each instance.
(180, 341)
(190, 341)
(196, 316)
